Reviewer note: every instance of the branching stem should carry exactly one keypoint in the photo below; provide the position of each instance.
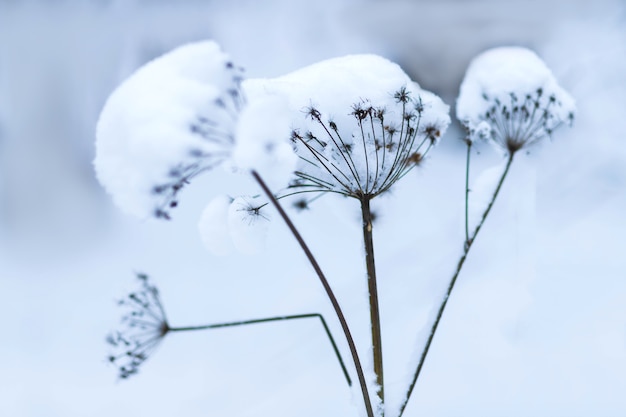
(444, 302)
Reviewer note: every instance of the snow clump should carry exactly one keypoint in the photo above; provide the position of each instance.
(174, 118)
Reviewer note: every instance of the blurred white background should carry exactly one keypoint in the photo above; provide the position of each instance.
(537, 325)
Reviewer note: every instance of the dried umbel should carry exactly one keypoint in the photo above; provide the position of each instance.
(386, 143)
(521, 122)
(510, 97)
(359, 124)
(178, 116)
(143, 326)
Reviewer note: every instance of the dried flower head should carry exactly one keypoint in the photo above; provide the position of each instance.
(173, 119)
(510, 97)
(144, 325)
(386, 143)
(359, 124)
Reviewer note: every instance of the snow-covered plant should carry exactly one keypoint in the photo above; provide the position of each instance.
(351, 126)
(509, 98)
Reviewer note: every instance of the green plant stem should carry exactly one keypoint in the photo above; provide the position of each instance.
(327, 288)
(271, 319)
(444, 302)
(377, 345)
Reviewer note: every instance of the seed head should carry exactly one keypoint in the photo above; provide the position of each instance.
(143, 326)
(510, 98)
(385, 144)
(171, 120)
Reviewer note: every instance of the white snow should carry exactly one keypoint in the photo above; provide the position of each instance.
(172, 119)
(262, 140)
(213, 226)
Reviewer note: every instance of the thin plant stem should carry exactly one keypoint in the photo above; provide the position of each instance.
(444, 302)
(327, 288)
(271, 319)
(373, 297)
(467, 190)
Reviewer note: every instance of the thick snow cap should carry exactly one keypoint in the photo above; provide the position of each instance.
(170, 120)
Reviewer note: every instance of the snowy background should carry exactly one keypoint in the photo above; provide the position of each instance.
(536, 325)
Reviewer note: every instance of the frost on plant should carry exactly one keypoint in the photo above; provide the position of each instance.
(171, 120)
(359, 124)
(510, 97)
(144, 325)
